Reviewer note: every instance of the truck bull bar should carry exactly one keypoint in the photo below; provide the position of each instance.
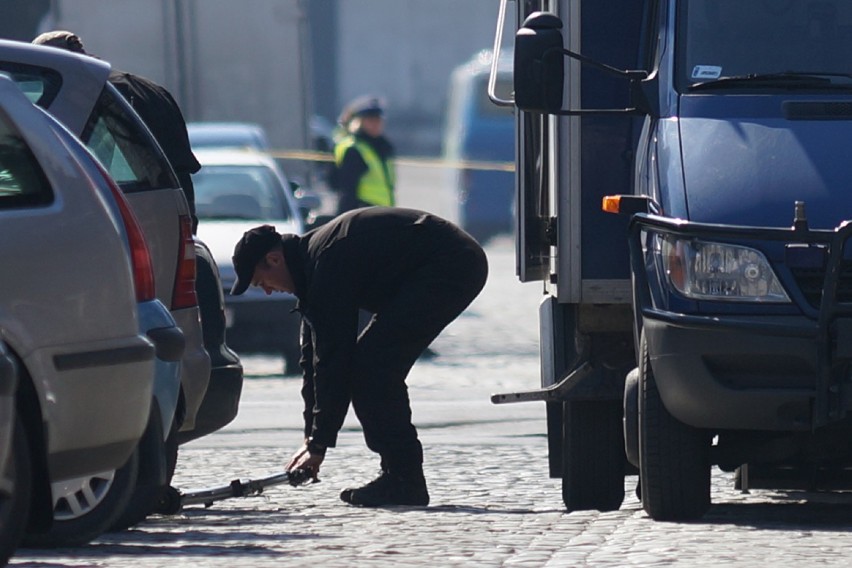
(830, 329)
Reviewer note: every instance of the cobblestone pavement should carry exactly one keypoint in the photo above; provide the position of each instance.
(492, 502)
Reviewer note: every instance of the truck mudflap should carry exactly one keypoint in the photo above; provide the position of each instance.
(815, 268)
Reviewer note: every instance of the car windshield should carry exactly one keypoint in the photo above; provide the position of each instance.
(765, 44)
(239, 192)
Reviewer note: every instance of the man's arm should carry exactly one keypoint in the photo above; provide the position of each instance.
(334, 323)
(307, 364)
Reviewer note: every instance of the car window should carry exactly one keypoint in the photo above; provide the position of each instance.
(40, 85)
(22, 181)
(128, 151)
(239, 192)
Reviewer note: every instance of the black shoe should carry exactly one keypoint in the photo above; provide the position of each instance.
(389, 489)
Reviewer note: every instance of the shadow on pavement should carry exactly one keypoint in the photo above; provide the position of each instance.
(783, 516)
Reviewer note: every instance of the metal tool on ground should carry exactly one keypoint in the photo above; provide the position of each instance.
(174, 500)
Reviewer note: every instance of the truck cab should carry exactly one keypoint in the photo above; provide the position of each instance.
(709, 323)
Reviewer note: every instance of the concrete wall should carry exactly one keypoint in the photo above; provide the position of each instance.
(244, 60)
(222, 60)
(406, 51)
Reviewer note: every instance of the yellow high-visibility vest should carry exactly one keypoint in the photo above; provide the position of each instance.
(376, 185)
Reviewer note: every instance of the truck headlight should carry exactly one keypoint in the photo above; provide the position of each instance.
(715, 271)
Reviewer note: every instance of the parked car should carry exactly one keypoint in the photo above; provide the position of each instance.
(158, 447)
(221, 402)
(70, 318)
(205, 135)
(236, 190)
(14, 503)
(75, 89)
(316, 203)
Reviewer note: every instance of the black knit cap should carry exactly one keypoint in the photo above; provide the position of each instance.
(250, 250)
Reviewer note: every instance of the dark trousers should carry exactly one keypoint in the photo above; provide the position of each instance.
(395, 337)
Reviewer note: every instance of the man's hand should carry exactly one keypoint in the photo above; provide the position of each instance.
(305, 460)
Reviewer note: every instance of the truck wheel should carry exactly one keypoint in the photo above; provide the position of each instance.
(631, 419)
(84, 508)
(674, 458)
(593, 459)
(15, 508)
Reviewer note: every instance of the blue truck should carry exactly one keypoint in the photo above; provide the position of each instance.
(709, 322)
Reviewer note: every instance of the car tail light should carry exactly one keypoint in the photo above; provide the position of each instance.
(184, 291)
(140, 256)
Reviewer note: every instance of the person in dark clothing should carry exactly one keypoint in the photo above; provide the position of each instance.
(364, 172)
(161, 113)
(155, 106)
(415, 273)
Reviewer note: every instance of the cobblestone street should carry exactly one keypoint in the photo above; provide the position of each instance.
(492, 502)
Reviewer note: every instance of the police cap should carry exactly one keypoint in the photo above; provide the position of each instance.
(367, 105)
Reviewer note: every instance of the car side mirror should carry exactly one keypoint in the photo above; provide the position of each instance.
(539, 65)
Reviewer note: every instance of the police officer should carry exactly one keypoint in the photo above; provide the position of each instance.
(415, 273)
(363, 157)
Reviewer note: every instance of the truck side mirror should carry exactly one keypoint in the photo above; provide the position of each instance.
(539, 68)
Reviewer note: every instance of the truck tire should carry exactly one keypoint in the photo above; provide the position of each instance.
(631, 419)
(593, 460)
(674, 458)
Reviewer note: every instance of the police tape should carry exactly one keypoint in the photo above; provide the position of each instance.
(311, 156)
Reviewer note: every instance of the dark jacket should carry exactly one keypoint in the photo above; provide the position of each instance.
(359, 260)
(162, 115)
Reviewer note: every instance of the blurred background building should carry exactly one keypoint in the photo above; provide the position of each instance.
(281, 62)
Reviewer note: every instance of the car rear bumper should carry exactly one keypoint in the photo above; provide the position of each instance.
(170, 345)
(195, 363)
(220, 405)
(95, 402)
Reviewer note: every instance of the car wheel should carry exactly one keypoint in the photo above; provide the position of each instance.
(674, 458)
(85, 507)
(152, 478)
(593, 459)
(15, 508)
(171, 453)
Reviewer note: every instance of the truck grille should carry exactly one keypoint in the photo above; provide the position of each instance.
(811, 280)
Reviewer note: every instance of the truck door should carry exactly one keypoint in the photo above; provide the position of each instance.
(567, 164)
(534, 190)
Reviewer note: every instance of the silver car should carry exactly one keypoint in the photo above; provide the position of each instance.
(157, 450)
(74, 88)
(74, 285)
